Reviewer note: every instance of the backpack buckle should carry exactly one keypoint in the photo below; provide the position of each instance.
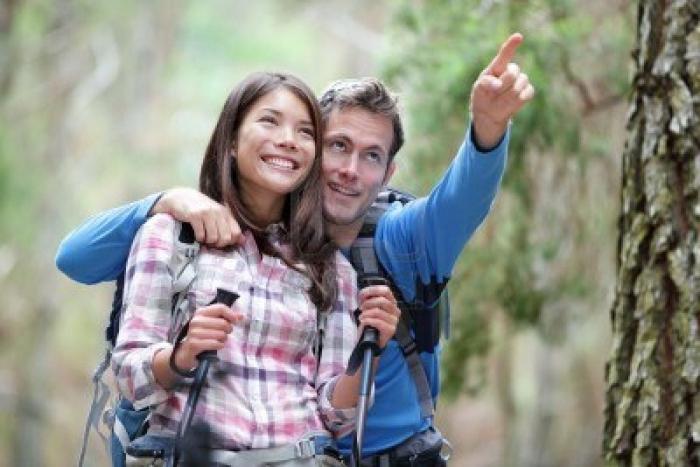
(305, 448)
(409, 348)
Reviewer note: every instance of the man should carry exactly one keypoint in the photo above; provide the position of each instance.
(417, 244)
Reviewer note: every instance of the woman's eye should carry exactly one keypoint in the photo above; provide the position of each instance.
(267, 119)
(307, 132)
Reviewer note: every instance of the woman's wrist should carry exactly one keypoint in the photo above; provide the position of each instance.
(179, 364)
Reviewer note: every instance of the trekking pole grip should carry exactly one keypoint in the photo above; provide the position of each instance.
(205, 358)
(227, 298)
(367, 348)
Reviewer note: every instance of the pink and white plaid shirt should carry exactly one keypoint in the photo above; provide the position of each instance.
(262, 391)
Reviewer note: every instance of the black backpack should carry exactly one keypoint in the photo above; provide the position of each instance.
(113, 417)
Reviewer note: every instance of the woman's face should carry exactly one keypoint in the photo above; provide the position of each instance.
(275, 148)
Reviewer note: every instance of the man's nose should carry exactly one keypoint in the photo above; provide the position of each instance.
(350, 165)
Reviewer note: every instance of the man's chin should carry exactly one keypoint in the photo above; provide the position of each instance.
(339, 220)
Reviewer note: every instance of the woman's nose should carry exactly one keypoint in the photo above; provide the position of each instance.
(287, 138)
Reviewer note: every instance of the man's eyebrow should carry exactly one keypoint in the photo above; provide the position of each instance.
(341, 136)
(346, 139)
(378, 147)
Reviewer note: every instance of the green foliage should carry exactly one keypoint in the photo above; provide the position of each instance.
(468, 338)
(575, 61)
(105, 102)
(21, 185)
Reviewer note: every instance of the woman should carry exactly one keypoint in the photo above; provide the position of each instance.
(263, 162)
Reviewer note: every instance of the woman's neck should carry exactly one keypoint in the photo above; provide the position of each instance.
(263, 210)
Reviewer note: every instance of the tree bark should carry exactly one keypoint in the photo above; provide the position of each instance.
(653, 390)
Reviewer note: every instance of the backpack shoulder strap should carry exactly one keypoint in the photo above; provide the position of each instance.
(363, 256)
(364, 259)
(415, 368)
(186, 250)
(184, 270)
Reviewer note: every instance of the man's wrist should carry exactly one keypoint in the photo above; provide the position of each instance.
(486, 136)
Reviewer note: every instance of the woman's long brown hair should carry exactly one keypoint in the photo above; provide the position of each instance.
(303, 210)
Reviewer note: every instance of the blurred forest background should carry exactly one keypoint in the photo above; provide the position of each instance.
(104, 102)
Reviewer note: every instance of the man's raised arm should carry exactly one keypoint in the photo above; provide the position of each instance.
(498, 94)
(425, 238)
(97, 250)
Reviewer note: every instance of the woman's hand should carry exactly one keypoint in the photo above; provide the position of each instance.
(378, 309)
(208, 330)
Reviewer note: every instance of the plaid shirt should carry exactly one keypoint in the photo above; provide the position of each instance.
(261, 393)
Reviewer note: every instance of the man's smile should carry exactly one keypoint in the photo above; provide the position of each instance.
(343, 190)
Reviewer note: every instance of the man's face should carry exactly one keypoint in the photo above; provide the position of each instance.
(356, 165)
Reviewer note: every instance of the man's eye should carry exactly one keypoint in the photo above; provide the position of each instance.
(337, 145)
(374, 156)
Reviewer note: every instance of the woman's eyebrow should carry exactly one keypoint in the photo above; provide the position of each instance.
(272, 110)
(278, 113)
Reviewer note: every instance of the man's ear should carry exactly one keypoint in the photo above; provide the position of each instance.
(389, 172)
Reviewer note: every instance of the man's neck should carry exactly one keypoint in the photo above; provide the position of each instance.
(344, 235)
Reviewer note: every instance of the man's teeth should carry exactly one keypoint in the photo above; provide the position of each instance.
(279, 162)
(343, 190)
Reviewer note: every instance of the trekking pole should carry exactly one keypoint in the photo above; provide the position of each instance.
(369, 346)
(205, 360)
(369, 340)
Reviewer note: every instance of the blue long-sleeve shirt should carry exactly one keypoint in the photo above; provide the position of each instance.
(422, 240)
(97, 250)
(419, 240)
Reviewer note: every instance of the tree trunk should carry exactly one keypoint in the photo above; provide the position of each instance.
(653, 390)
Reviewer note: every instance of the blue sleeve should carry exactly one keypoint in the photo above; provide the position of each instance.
(97, 250)
(423, 239)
